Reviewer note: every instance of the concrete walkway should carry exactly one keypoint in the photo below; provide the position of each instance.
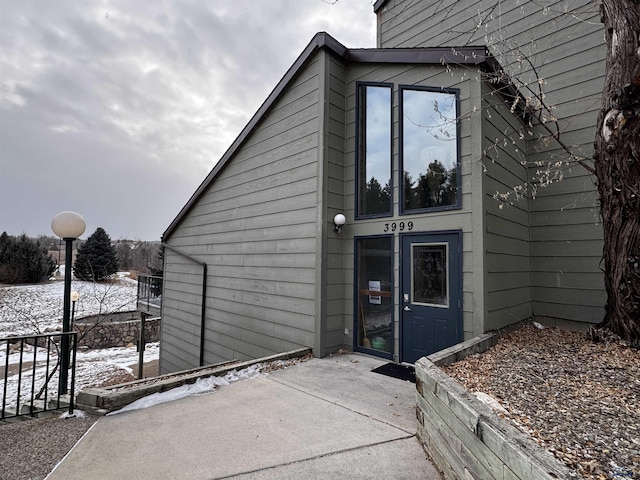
(325, 418)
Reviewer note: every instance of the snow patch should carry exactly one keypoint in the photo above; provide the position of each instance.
(202, 385)
(92, 368)
(76, 414)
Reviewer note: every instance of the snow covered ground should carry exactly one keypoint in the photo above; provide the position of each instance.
(29, 309)
(93, 368)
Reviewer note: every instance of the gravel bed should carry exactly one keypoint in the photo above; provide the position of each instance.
(32, 448)
(578, 399)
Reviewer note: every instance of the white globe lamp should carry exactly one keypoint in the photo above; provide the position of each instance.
(68, 226)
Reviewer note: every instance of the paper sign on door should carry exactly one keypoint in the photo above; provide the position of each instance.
(375, 286)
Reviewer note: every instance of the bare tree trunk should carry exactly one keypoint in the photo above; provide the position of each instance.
(617, 154)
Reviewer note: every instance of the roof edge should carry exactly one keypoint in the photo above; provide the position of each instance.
(440, 55)
(378, 5)
(320, 40)
(427, 55)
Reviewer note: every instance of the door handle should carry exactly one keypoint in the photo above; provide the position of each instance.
(406, 308)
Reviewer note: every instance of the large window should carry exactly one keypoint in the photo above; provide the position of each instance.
(374, 286)
(429, 149)
(374, 150)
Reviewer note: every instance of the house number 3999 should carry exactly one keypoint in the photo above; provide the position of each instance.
(398, 226)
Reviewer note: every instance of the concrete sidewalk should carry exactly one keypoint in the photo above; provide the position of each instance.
(325, 418)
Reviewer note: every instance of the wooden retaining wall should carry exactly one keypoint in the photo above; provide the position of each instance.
(465, 438)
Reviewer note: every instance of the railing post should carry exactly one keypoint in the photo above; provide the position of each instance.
(6, 377)
(33, 398)
(141, 342)
(74, 338)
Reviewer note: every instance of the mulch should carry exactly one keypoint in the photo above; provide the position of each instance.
(578, 399)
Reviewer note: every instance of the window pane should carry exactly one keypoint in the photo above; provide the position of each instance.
(375, 306)
(374, 150)
(429, 149)
(429, 275)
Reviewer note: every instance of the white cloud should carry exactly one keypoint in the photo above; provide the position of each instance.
(118, 109)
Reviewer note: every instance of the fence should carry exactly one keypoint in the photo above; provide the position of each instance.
(31, 374)
(149, 293)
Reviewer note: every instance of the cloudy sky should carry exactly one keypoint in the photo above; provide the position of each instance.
(119, 109)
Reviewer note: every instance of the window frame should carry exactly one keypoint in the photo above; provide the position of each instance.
(356, 296)
(358, 151)
(401, 193)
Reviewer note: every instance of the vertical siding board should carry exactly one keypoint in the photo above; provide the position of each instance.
(336, 306)
(507, 227)
(474, 295)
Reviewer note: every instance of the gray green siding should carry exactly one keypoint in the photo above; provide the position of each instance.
(335, 129)
(462, 219)
(256, 228)
(181, 308)
(568, 52)
(566, 234)
(507, 231)
(280, 278)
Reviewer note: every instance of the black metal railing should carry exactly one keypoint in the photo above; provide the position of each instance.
(149, 292)
(31, 374)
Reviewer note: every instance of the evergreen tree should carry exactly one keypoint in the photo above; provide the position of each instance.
(377, 198)
(96, 259)
(5, 241)
(157, 268)
(23, 260)
(434, 188)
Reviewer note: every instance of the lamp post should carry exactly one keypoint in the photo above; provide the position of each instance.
(68, 226)
(75, 296)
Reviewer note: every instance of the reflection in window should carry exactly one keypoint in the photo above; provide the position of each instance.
(429, 276)
(375, 305)
(374, 150)
(429, 149)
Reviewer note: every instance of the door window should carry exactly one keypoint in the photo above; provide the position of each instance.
(429, 275)
(374, 294)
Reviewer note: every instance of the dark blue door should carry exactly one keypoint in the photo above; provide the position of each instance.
(430, 303)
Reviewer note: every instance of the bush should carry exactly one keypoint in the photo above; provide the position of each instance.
(23, 260)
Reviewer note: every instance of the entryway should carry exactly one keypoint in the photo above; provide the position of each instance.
(430, 289)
